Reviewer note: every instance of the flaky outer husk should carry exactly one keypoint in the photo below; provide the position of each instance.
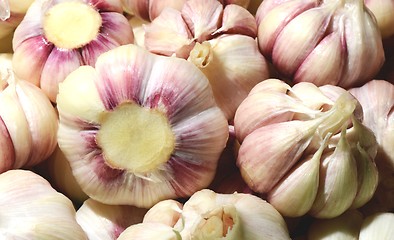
(32, 209)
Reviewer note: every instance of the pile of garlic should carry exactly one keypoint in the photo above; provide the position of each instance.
(196, 119)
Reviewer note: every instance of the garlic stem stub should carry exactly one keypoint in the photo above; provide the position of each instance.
(333, 42)
(31, 209)
(56, 37)
(219, 39)
(311, 149)
(140, 128)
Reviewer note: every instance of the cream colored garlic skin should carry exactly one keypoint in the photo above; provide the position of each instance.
(26, 116)
(378, 226)
(140, 128)
(335, 42)
(377, 100)
(31, 209)
(101, 221)
(305, 148)
(56, 37)
(209, 215)
(219, 40)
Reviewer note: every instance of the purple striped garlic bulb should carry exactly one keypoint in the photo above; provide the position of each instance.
(56, 37)
(219, 40)
(334, 42)
(305, 149)
(140, 128)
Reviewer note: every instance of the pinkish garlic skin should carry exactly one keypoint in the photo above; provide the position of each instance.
(45, 60)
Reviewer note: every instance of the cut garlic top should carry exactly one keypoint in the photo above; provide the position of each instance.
(140, 128)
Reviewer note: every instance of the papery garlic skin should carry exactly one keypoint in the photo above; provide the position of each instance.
(27, 116)
(169, 150)
(101, 221)
(282, 129)
(31, 209)
(379, 226)
(333, 42)
(56, 37)
(209, 215)
(219, 39)
(346, 226)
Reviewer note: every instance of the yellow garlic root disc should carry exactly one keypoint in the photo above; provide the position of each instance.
(135, 138)
(71, 25)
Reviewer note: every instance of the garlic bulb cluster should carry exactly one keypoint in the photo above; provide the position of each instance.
(208, 215)
(31, 209)
(148, 10)
(101, 221)
(305, 149)
(376, 99)
(140, 128)
(352, 225)
(333, 42)
(56, 37)
(28, 121)
(219, 40)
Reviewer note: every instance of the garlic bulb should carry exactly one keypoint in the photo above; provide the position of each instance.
(346, 227)
(333, 42)
(378, 226)
(301, 144)
(383, 10)
(27, 117)
(56, 37)
(101, 221)
(209, 215)
(148, 10)
(140, 128)
(31, 209)
(377, 99)
(219, 40)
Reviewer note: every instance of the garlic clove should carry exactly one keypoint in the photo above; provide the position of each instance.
(157, 6)
(42, 120)
(101, 221)
(310, 95)
(315, 22)
(337, 167)
(346, 226)
(238, 20)
(29, 199)
(202, 17)
(294, 195)
(7, 158)
(149, 231)
(271, 84)
(209, 215)
(167, 34)
(167, 212)
(379, 226)
(273, 21)
(138, 26)
(269, 152)
(220, 59)
(169, 150)
(148, 10)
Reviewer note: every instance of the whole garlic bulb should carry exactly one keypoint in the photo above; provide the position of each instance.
(305, 149)
(219, 40)
(26, 116)
(333, 42)
(31, 209)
